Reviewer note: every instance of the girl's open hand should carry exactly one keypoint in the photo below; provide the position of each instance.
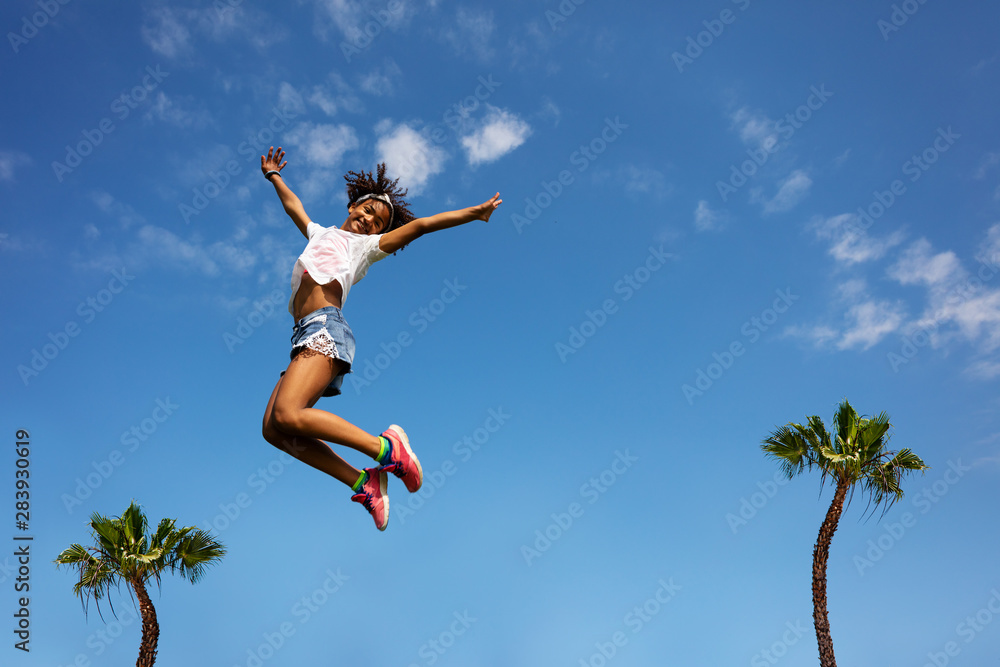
(485, 210)
(273, 160)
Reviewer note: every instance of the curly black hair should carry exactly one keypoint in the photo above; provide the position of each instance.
(367, 183)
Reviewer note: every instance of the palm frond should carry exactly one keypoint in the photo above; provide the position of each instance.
(856, 456)
(125, 552)
(195, 552)
(845, 424)
(133, 523)
(73, 555)
(790, 448)
(905, 459)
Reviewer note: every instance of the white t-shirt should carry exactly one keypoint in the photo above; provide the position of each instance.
(333, 254)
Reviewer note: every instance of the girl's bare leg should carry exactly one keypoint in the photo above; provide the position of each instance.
(293, 425)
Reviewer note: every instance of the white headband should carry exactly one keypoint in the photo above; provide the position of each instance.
(382, 198)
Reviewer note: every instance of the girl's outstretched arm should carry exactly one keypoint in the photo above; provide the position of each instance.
(293, 207)
(399, 237)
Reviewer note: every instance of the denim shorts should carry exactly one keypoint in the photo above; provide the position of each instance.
(327, 332)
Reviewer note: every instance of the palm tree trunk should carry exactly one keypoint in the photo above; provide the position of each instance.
(821, 553)
(150, 627)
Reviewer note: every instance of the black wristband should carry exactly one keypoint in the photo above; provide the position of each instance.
(273, 171)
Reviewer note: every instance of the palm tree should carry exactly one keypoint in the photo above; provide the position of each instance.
(854, 454)
(124, 553)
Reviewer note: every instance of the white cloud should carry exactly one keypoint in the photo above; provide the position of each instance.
(345, 14)
(165, 33)
(791, 192)
(351, 18)
(645, 181)
(125, 214)
(324, 101)
(755, 128)
(246, 251)
(978, 318)
(870, 322)
(916, 265)
(960, 305)
(500, 133)
(167, 110)
(335, 94)
(323, 145)
(865, 322)
(989, 161)
(819, 335)
(319, 184)
(985, 370)
(529, 46)
(408, 155)
(707, 220)
(163, 246)
(289, 99)
(471, 34)
(382, 80)
(850, 243)
(989, 249)
(852, 290)
(234, 257)
(550, 110)
(9, 161)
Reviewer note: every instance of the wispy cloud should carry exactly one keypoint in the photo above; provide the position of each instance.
(334, 94)
(141, 245)
(865, 322)
(168, 30)
(349, 17)
(850, 244)
(958, 306)
(985, 370)
(917, 265)
(869, 322)
(10, 161)
(162, 246)
(290, 99)
(791, 192)
(550, 111)
(169, 110)
(987, 162)
(707, 220)
(382, 81)
(644, 182)
(165, 33)
(755, 128)
(969, 303)
(819, 335)
(323, 145)
(123, 213)
(471, 33)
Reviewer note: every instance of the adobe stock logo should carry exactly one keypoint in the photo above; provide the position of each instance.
(752, 330)
(38, 20)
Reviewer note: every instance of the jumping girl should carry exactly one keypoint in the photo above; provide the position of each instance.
(378, 224)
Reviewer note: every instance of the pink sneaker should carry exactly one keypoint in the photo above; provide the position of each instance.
(403, 462)
(373, 497)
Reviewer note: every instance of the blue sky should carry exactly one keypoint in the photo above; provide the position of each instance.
(718, 217)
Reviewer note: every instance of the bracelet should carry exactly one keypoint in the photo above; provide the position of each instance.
(273, 171)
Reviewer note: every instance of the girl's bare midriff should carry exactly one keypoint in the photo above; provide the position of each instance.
(312, 296)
